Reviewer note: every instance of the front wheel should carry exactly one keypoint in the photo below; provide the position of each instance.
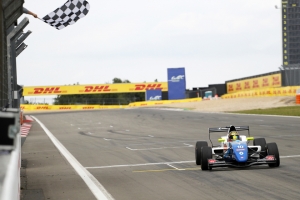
(273, 150)
(198, 148)
(206, 154)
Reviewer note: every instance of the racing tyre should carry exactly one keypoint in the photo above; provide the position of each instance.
(261, 142)
(206, 154)
(273, 150)
(198, 148)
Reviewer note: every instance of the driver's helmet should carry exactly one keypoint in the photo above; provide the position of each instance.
(233, 135)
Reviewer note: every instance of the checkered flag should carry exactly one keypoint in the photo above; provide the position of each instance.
(67, 14)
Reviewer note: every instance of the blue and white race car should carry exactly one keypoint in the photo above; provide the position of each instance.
(234, 150)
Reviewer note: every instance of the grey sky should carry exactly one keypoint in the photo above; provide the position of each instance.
(139, 39)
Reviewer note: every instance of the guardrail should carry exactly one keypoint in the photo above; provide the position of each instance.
(10, 154)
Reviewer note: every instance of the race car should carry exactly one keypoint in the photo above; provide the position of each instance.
(234, 150)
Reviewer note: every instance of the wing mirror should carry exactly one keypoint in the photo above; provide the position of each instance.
(221, 140)
(250, 138)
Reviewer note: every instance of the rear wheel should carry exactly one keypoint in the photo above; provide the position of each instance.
(198, 148)
(206, 154)
(273, 150)
(261, 142)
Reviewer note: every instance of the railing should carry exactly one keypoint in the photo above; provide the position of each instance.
(10, 154)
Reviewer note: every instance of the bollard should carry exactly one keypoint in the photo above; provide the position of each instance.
(298, 96)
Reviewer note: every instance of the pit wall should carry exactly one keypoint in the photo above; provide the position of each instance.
(30, 107)
(266, 92)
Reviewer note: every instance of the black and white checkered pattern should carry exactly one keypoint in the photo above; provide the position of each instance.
(68, 14)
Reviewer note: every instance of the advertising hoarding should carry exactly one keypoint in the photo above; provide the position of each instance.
(176, 83)
(153, 95)
(94, 89)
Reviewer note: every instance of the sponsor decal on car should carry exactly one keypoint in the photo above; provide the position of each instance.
(270, 157)
(211, 161)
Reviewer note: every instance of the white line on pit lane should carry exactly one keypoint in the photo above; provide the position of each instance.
(163, 163)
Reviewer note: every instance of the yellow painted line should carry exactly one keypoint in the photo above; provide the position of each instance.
(163, 170)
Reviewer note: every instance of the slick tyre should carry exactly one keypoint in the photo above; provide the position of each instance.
(261, 142)
(272, 149)
(206, 154)
(198, 148)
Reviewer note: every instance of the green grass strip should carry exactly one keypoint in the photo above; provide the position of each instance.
(287, 111)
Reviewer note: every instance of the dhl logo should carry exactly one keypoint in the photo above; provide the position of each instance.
(247, 85)
(88, 107)
(142, 87)
(102, 88)
(265, 82)
(230, 88)
(276, 80)
(42, 108)
(48, 90)
(238, 86)
(255, 84)
(65, 108)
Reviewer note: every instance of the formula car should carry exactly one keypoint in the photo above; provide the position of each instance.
(234, 150)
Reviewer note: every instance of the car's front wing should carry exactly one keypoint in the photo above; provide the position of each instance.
(270, 159)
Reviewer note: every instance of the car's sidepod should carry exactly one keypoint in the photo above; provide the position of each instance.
(240, 150)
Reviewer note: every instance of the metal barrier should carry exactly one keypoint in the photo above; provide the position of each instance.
(10, 154)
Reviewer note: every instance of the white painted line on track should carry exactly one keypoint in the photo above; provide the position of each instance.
(136, 165)
(174, 167)
(157, 148)
(292, 156)
(279, 136)
(162, 163)
(96, 188)
(190, 145)
(150, 135)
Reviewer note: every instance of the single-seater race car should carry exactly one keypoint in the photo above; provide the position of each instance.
(234, 150)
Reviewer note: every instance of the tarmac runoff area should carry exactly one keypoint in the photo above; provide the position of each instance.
(149, 154)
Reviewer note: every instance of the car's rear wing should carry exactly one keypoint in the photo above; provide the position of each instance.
(226, 129)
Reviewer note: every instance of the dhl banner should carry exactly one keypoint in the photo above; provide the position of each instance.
(269, 81)
(94, 89)
(153, 103)
(30, 107)
(280, 91)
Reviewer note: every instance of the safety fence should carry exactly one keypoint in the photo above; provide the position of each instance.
(267, 92)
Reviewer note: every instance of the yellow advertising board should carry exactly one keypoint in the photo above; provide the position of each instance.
(93, 89)
(264, 92)
(273, 80)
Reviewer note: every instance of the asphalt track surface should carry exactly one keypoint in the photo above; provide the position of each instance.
(149, 154)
